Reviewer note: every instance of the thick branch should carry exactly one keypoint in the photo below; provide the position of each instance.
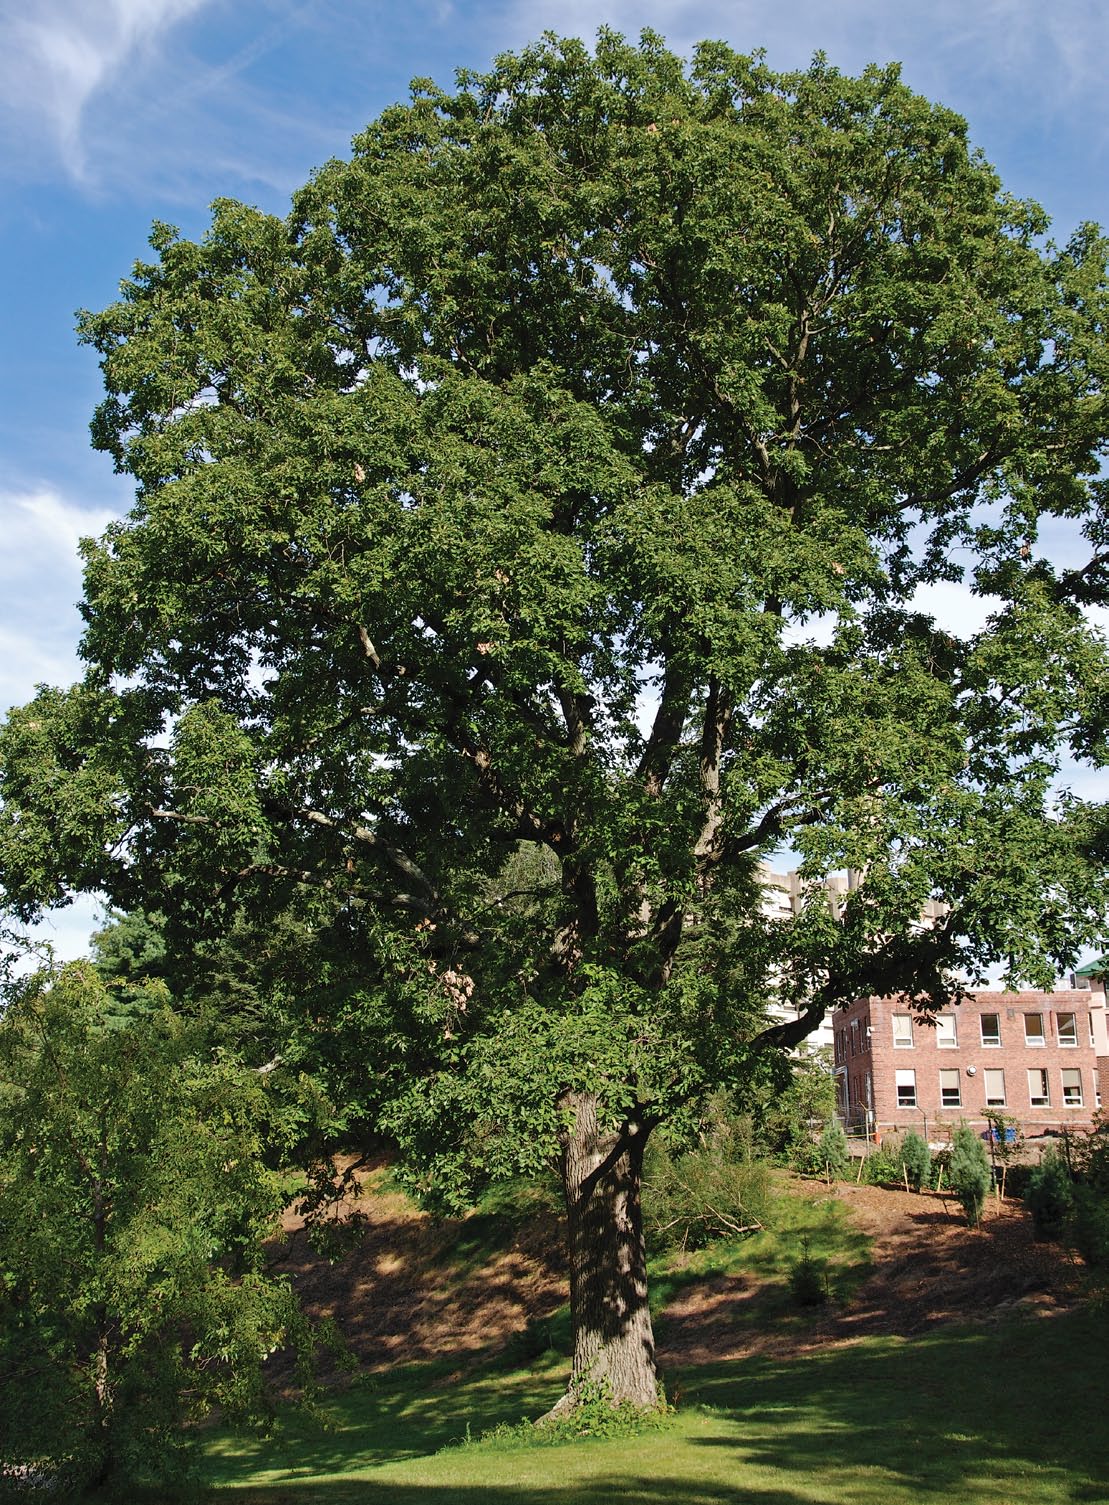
(666, 730)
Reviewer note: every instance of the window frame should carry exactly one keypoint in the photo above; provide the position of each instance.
(910, 1086)
(1080, 1100)
(994, 1071)
(947, 1022)
(946, 1101)
(1034, 1042)
(1070, 1040)
(905, 1044)
(992, 1042)
(1039, 1100)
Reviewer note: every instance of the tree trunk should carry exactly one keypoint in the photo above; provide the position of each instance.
(614, 1345)
(103, 1460)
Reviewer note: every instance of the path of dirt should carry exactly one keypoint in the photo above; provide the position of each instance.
(413, 1288)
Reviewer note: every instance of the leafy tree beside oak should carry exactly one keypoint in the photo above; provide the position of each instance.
(526, 542)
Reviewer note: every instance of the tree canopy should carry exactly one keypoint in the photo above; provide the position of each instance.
(527, 541)
(133, 1203)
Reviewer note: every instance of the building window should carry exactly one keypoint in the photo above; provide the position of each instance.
(995, 1088)
(991, 1029)
(945, 1031)
(1038, 1095)
(903, 1030)
(1090, 1022)
(1068, 1029)
(1034, 1029)
(906, 1089)
(1072, 1087)
(950, 1095)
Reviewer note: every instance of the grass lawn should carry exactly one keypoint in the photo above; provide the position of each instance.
(1006, 1414)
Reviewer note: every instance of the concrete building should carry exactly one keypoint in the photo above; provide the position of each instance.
(1041, 1058)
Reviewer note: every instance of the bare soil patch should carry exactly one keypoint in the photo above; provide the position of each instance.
(928, 1268)
(417, 1288)
(407, 1290)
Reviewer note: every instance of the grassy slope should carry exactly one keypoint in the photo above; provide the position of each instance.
(1002, 1415)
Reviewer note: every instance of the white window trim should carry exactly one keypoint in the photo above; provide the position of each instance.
(898, 1043)
(994, 1102)
(908, 1085)
(1080, 1100)
(994, 1042)
(1034, 1041)
(943, 1042)
(958, 1103)
(1067, 1044)
(1034, 1100)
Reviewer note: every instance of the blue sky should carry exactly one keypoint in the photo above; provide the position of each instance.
(114, 113)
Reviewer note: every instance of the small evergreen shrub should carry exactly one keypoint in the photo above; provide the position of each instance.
(1087, 1227)
(808, 1280)
(970, 1172)
(883, 1165)
(832, 1154)
(916, 1157)
(1050, 1196)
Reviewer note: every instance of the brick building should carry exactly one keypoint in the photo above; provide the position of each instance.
(1034, 1056)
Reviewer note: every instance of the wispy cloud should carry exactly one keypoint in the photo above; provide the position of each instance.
(181, 99)
(964, 53)
(40, 583)
(56, 59)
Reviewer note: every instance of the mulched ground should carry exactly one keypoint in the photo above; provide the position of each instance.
(928, 1268)
(410, 1289)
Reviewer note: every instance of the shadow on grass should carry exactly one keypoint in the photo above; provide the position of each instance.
(603, 1489)
(1008, 1402)
(1009, 1414)
(757, 1269)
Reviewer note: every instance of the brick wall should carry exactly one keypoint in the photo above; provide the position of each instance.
(865, 1049)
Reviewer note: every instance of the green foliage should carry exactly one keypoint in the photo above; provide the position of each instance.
(133, 1201)
(916, 1157)
(897, 1159)
(606, 369)
(1087, 1226)
(831, 1151)
(788, 1100)
(594, 1416)
(1068, 1196)
(969, 1171)
(883, 1165)
(1050, 1196)
(717, 1190)
(808, 1279)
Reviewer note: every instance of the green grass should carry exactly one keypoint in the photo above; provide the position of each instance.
(1002, 1415)
(768, 1257)
(1005, 1414)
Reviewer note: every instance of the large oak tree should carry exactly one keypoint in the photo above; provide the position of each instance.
(527, 542)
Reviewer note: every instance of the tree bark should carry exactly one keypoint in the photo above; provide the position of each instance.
(614, 1345)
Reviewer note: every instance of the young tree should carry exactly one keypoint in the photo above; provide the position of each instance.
(133, 1201)
(970, 1172)
(527, 539)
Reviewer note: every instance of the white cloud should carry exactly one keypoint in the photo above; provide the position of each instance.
(68, 931)
(57, 58)
(957, 51)
(40, 585)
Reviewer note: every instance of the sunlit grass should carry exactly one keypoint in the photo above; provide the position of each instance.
(1005, 1415)
(1001, 1415)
